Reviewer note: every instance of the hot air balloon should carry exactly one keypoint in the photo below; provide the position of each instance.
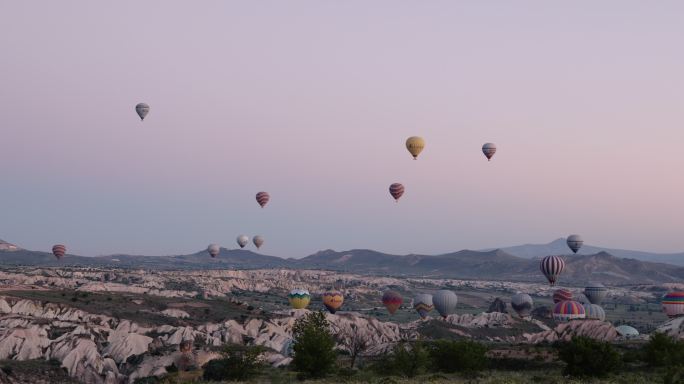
(575, 242)
(392, 301)
(594, 312)
(445, 302)
(489, 149)
(213, 250)
(551, 267)
(142, 110)
(627, 331)
(242, 240)
(595, 293)
(422, 303)
(673, 304)
(59, 251)
(568, 310)
(415, 146)
(258, 241)
(299, 298)
(561, 295)
(333, 300)
(396, 190)
(522, 304)
(262, 198)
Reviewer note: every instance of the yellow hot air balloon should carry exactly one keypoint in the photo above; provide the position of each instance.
(299, 298)
(415, 145)
(333, 300)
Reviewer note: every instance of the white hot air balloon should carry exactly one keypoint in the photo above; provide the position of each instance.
(242, 240)
(445, 302)
(522, 304)
(213, 250)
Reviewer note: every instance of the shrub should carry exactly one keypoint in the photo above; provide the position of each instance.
(458, 356)
(586, 357)
(404, 360)
(313, 347)
(238, 363)
(663, 350)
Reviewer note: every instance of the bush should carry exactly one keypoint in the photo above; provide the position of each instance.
(404, 360)
(586, 357)
(238, 363)
(313, 347)
(663, 351)
(458, 356)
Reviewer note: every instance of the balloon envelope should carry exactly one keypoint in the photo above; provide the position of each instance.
(262, 198)
(568, 310)
(575, 242)
(561, 295)
(213, 250)
(673, 304)
(415, 145)
(422, 303)
(445, 302)
(522, 304)
(258, 241)
(594, 312)
(551, 267)
(299, 298)
(627, 331)
(242, 240)
(332, 300)
(59, 251)
(489, 149)
(595, 293)
(392, 301)
(142, 110)
(396, 190)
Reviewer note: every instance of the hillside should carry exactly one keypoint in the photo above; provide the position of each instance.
(559, 247)
(466, 264)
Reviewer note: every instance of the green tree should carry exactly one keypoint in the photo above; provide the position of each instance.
(663, 351)
(314, 347)
(404, 360)
(238, 363)
(586, 357)
(458, 356)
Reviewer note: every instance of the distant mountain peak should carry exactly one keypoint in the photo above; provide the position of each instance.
(5, 246)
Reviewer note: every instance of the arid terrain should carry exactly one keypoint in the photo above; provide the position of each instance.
(116, 326)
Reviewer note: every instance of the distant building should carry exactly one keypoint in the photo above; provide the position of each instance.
(5, 246)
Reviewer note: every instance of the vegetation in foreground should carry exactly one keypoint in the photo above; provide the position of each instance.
(580, 360)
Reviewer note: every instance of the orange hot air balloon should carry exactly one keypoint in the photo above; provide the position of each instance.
(333, 300)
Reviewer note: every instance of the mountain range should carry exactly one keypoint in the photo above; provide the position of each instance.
(508, 264)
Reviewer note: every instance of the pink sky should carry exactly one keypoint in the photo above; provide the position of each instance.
(313, 100)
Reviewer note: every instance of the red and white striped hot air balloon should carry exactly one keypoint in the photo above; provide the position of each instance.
(59, 251)
(551, 267)
(262, 198)
(396, 190)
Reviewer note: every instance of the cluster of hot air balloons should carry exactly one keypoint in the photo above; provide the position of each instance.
(565, 306)
(242, 240)
(415, 145)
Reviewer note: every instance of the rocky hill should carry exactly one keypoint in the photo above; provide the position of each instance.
(466, 264)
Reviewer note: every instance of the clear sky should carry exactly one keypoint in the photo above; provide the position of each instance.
(312, 101)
